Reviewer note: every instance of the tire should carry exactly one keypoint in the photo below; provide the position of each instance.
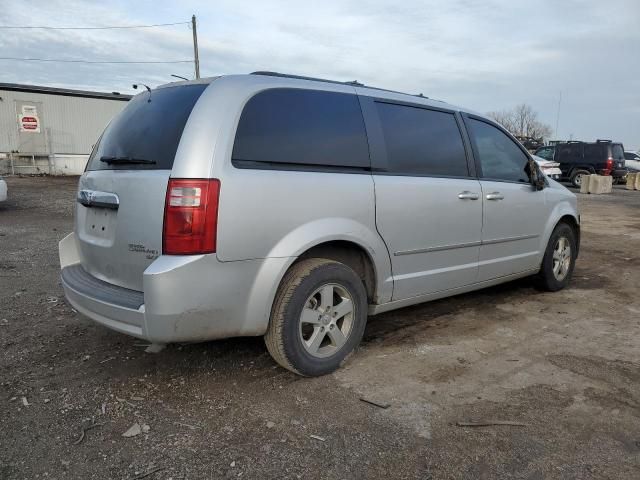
(552, 276)
(576, 177)
(309, 332)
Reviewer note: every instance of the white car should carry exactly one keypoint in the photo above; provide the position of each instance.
(3, 190)
(549, 168)
(632, 161)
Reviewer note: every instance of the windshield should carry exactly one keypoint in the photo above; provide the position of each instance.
(146, 134)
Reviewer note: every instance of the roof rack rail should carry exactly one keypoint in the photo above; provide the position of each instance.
(302, 77)
(353, 83)
(600, 140)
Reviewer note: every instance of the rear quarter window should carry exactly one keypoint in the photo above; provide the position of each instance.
(286, 128)
(148, 129)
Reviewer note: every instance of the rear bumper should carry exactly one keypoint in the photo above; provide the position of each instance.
(619, 173)
(185, 298)
(112, 315)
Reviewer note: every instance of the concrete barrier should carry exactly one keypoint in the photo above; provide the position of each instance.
(637, 184)
(631, 181)
(599, 184)
(586, 182)
(596, 184)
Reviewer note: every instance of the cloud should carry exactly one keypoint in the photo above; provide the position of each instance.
(485, 55)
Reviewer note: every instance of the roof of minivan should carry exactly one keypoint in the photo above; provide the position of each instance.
(67, 92)
(370, 90)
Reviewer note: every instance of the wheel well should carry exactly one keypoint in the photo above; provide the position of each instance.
(573, 223)
(586, 168)
(352, 255)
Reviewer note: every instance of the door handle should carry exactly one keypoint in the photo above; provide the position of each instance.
(467, 195)
(495, 196)
(93, 198)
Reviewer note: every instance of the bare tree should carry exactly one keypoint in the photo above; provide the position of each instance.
(522, 121)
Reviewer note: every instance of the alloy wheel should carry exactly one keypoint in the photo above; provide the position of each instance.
(326, 320)
(561, 258)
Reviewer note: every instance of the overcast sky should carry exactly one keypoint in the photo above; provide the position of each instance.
(484, 55)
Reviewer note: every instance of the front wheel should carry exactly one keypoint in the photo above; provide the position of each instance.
(318, 317)
(559, 259)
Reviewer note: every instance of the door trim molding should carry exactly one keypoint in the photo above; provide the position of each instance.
(464, 245)
(509, 239)
(437, 249)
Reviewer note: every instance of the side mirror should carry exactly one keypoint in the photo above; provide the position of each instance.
(535, 174)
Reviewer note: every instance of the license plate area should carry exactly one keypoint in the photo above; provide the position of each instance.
(99, 225)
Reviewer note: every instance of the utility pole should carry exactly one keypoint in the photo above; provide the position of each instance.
(196, 59)
(558, 115)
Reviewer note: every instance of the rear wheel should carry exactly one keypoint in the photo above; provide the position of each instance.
(318, 317)
(559, 259)
(577, 176)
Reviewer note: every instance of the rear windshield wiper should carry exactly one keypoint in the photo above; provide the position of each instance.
(130, 160)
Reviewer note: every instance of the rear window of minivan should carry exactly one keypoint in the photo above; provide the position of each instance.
(147, 131)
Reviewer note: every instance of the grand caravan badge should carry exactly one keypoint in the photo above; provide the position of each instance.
(151, 254)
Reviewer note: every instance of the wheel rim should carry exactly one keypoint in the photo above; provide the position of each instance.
(578, 179)
(561, 258)
(326, 320)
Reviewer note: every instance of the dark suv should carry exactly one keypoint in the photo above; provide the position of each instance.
(577, 159)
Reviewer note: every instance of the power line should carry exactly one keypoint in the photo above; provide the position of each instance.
(88, 61)
(93, 28)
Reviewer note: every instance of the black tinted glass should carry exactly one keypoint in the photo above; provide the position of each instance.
(569, 152)
(421, 141)
(500, 157)
(147, 132)
(302, 127)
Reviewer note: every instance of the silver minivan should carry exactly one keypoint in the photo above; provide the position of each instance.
(291, 207)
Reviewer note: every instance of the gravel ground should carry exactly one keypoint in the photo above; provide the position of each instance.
(565, 365)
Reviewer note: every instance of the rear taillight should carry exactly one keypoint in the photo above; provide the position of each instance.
(190, 217)
(609, 166)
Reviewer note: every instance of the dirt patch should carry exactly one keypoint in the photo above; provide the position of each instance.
(614, 372)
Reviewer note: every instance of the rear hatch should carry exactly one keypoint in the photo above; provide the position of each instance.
(121, 195)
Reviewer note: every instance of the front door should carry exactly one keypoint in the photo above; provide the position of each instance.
(514, 213)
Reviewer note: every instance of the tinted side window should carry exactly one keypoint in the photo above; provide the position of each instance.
(301, 127)
(421, 141)
(148, 129)
(500, 157)
(570, 152)
(594, 153)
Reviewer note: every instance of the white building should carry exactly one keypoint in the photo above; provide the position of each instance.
(51, 130)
